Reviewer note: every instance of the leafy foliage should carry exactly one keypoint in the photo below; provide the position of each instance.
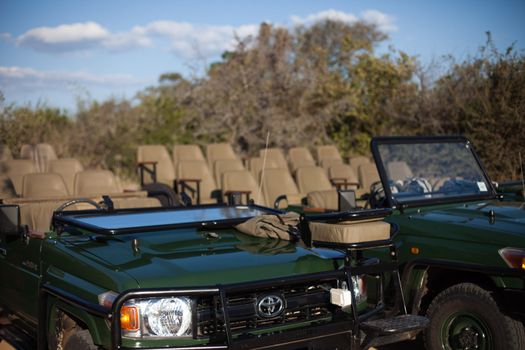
(307, 86)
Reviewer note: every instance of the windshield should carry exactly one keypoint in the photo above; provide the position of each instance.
(426, 171)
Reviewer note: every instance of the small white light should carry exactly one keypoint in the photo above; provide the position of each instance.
(106, 299)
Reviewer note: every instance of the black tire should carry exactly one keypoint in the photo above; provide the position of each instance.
(466, 316)
(79, 339)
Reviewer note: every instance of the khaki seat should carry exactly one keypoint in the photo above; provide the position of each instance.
(399, 171)
(279, 182)
(367, 175)
(67, 168)
(43, 185)
(300, 157)
(224, 165)
(243, 182)
(15, 169)
(256, 166)
(343, 176)
(216, 151)
(319, 189)
(356, 161)
(327, 163)
(186, 152)
(276, 154)
(191, 172)
(164, 165)
(91, 183)
(5, 153)
(327, 152)
(350, 231)
(40, 153)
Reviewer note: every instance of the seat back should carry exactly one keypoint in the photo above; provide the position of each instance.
(399, 170)
(67, 168)
(327, 151)
(40, 153)
(43, 185)
(276, 154)
(215, 151)
(15, 169)
(345, 173)
(327, 163)
(277, 182)
(186, 152)
(242, 180)
(89, 183)
(357, 161)
(159, 154)
(5, 153)
(367, 175)
(256, 165)
(224, 165)
(197, 170)
(300, 157)
(311, 179)
(328, 199)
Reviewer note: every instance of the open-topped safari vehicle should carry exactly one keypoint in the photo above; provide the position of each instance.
(205, 277)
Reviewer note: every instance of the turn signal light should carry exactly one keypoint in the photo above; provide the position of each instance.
(514, 257)
(129, 318)
(414, 250)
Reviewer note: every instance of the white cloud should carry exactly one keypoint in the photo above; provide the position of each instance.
(31, 77)
(325, 15)
(383, 21)
(184, 39)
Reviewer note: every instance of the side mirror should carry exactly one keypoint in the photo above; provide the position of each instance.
(10, 220)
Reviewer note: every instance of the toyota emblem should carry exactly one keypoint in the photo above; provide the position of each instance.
(269, 306)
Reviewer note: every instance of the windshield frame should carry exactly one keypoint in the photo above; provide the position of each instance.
(393, 140)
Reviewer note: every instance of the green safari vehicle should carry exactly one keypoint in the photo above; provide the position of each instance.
(188, 278)
(461, 244)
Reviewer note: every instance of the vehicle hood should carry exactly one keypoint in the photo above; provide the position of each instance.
(494, 222)
(177, 258)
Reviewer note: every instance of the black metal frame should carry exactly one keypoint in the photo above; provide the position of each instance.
(391, 202)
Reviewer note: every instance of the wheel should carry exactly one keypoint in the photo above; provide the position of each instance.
(465, 316)
(79, 339)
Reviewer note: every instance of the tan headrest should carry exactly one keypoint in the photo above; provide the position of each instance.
(311, 179)
(276, 154)
(159, 154)
(323, 199)
(223, 165)
(327, 151)
(327, 163)
(43, 185)
(215, 151)
(350, 232)
(243, 181)
(96, 182)
(67, 168)
(186, 152)
(277, 182)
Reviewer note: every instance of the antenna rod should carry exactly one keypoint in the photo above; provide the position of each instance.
(522, 178)
(264, 163)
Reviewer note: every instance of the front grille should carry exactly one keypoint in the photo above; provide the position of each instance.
(303, 303)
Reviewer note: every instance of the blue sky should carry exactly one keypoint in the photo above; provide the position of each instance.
(56, 51)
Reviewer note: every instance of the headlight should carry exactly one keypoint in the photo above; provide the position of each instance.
(514, 257)
(157, 317)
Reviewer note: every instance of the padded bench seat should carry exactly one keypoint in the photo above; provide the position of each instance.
(350, 232)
